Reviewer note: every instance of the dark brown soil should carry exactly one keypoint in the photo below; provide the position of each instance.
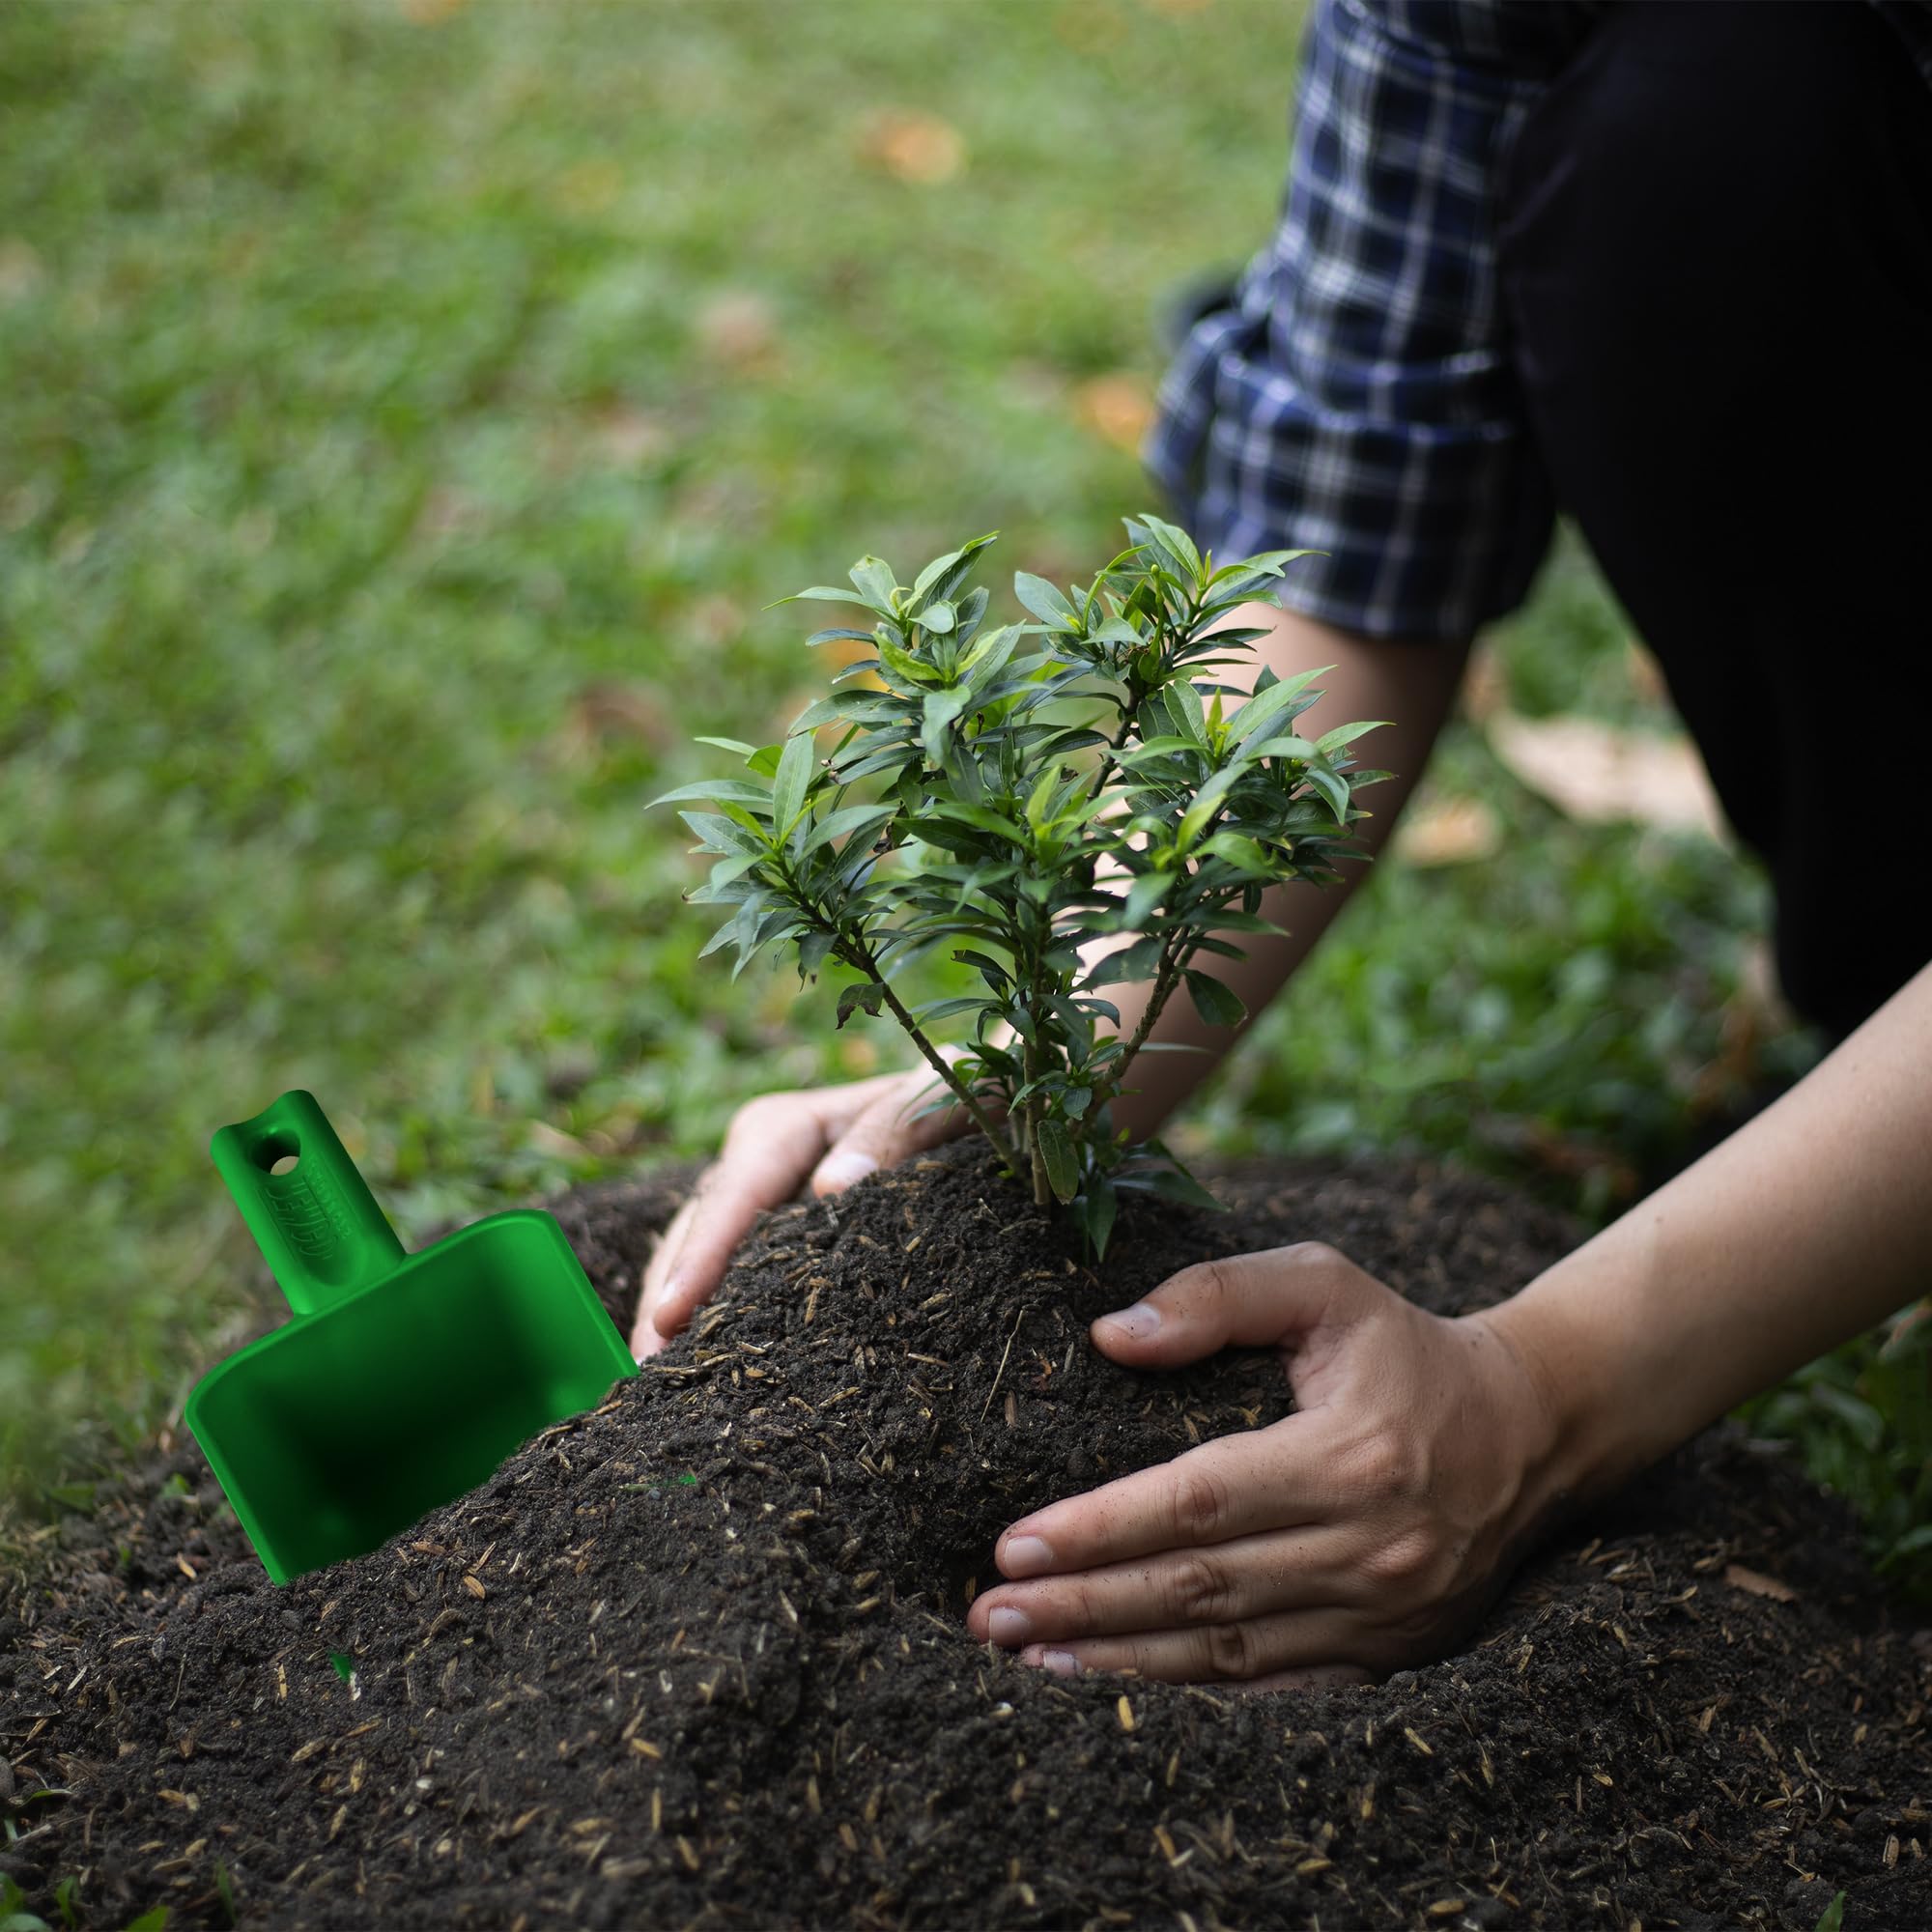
(697, 1659)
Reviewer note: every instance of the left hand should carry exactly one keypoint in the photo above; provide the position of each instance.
(1367, 1531)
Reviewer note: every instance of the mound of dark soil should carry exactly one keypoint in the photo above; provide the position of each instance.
(697, 1659)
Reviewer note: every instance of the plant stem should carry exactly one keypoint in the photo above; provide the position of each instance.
(855, 954)
(1042, 1192)
(851, 947)
(1167, 976)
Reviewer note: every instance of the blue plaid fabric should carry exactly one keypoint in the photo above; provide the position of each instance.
(1357, 396)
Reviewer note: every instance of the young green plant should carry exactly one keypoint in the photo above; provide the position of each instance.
(1065, 805)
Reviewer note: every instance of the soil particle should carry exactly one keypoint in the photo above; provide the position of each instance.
(696, 1658)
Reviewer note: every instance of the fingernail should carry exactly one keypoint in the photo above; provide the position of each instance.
(1026, 1557)
(1010, 1627)
(841, 1169)
(1137, 1322)
(1062, 1663)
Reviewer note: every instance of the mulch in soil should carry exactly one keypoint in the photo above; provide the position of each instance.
(697, 1659)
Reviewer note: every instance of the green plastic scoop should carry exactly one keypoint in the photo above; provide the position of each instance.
(403, 1381)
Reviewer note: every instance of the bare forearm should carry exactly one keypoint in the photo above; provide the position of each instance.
(1807, 1226)
(1410, 684)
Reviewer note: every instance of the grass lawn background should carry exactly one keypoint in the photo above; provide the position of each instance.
(409, 409)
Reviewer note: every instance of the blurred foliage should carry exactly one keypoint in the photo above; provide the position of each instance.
(1862, 1419)
(411, 404)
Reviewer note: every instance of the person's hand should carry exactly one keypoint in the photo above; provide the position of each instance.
(835, 1135)
(1367, 1531)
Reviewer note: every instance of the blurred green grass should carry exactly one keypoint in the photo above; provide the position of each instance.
(410, 409)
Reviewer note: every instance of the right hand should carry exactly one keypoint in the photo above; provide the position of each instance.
(834, 1135)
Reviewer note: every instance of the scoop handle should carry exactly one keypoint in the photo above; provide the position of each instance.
(317, 1224)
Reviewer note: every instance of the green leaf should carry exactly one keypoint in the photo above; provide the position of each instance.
(1170, 1181)
(1297, 749)
(732, 931)
(1331, 742)
(1098, 1204)
(788, 788)
(1266, 563)
(827, 711)
(154, 1919)
(1865, 1422)
(1165, 746)
(944, 575)
(727, 869)
(938, 616)
(1039, 802)
(899, 754)
(819, 593)
(836, 637)
(1242, 853)
(1911, 1544)
(1062, 1168)
(1833, 1917)
(1215, 1000)
(866, 995)
(873, 577)
(901, 663)
(990, 656)
(811, 952)
(1129, 965)
(719, 834)
(14, 1914)
(737, 745)
(1143, 897)
(971, 609)
(858, 819)
(982, 818)
(769, 924)
(1334, 791)
(1184, 707)
(1267, 703)
(715, 791)
(1045, 601)
(996, 973)
(1176, 545)
(1206, 802)
(934, 1011)
(941, 708)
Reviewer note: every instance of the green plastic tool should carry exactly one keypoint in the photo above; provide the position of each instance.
(403, 1381)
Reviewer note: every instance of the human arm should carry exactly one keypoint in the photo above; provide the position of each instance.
(1807, 1226)
(1369, 1529)
(827, 1137)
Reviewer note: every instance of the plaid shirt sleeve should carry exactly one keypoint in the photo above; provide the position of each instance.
(1357, 396)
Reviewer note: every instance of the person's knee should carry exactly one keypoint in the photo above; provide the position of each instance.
(1682, 170)
(1839, 960)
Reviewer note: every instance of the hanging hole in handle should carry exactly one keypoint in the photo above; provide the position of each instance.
(277, 1154)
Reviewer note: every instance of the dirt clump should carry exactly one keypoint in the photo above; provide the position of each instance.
(697, 1658)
